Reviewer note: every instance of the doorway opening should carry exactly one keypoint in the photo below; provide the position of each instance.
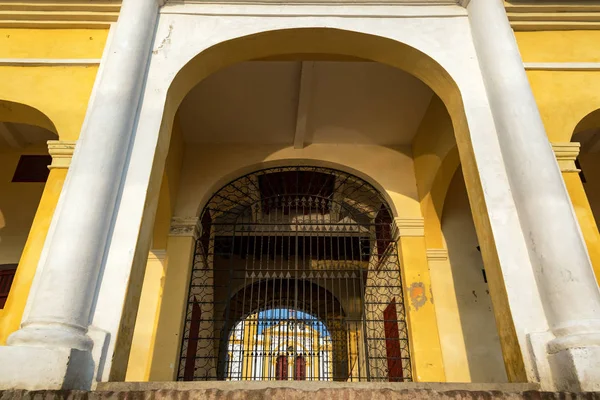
(296, 276)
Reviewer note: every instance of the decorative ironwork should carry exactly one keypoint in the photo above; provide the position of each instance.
(296, 276)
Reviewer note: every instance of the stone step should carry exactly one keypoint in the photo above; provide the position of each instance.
(313, 386)
(300, 391)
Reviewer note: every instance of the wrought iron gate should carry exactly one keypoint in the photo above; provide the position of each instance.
(296, 277)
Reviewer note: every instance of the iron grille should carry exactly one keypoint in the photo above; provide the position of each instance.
(296, 276)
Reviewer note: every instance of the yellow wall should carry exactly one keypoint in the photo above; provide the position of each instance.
(208, 167)
(479, 331)
(142, 345)
(54, 97)
(455, 264)
(61, 93)
(52, 43)
(436, 160)
(10, 316)
(147, 321)
(564, 99)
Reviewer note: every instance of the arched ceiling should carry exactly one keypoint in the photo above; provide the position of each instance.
(272, 102)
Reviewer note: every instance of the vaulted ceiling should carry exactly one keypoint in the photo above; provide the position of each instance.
(282, 102)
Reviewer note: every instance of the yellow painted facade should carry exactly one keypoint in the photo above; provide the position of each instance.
(417, 179)
(53, 97)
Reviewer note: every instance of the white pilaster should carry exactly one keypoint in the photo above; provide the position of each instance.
(556, 248)
(62, 302)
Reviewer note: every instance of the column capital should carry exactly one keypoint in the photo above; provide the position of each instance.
(566, 153)
(408, 227)
(61, 152)
(437, 254)
(185, 226)
(157, 255)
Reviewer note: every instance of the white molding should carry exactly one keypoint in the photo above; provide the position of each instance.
(364, 9)
(562, 66)
(37, 62)
(404, 3)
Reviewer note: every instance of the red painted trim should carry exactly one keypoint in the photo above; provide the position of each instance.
(190, 357)
(392, 343)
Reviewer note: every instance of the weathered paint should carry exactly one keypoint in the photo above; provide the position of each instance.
(418, 298)
(426, 352)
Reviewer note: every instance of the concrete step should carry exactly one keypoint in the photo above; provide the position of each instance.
(300, 391)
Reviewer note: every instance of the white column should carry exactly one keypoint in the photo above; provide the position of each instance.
(62, 302)
(556, 247)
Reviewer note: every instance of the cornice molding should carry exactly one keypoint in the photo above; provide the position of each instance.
(185, 226)
(407, 227)
(562, 66)
(563, 15)
(59, 14)
(323, 2)
(61, 152)
(40, 62)
(566, 153)
(317, 8)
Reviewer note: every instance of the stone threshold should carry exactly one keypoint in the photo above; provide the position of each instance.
(308, 386)
(219, 390)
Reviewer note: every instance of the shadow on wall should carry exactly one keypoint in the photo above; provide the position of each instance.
(479, 329)
(587, 133)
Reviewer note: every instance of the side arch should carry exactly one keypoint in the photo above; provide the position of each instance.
(590, 121)
(20, 113)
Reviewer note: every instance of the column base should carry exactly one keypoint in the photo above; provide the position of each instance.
(576, 369)
(35, 368)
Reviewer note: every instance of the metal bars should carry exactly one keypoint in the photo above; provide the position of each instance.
(296, 277)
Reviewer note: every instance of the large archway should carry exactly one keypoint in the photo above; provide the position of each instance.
(314, 240)
(193, 64)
